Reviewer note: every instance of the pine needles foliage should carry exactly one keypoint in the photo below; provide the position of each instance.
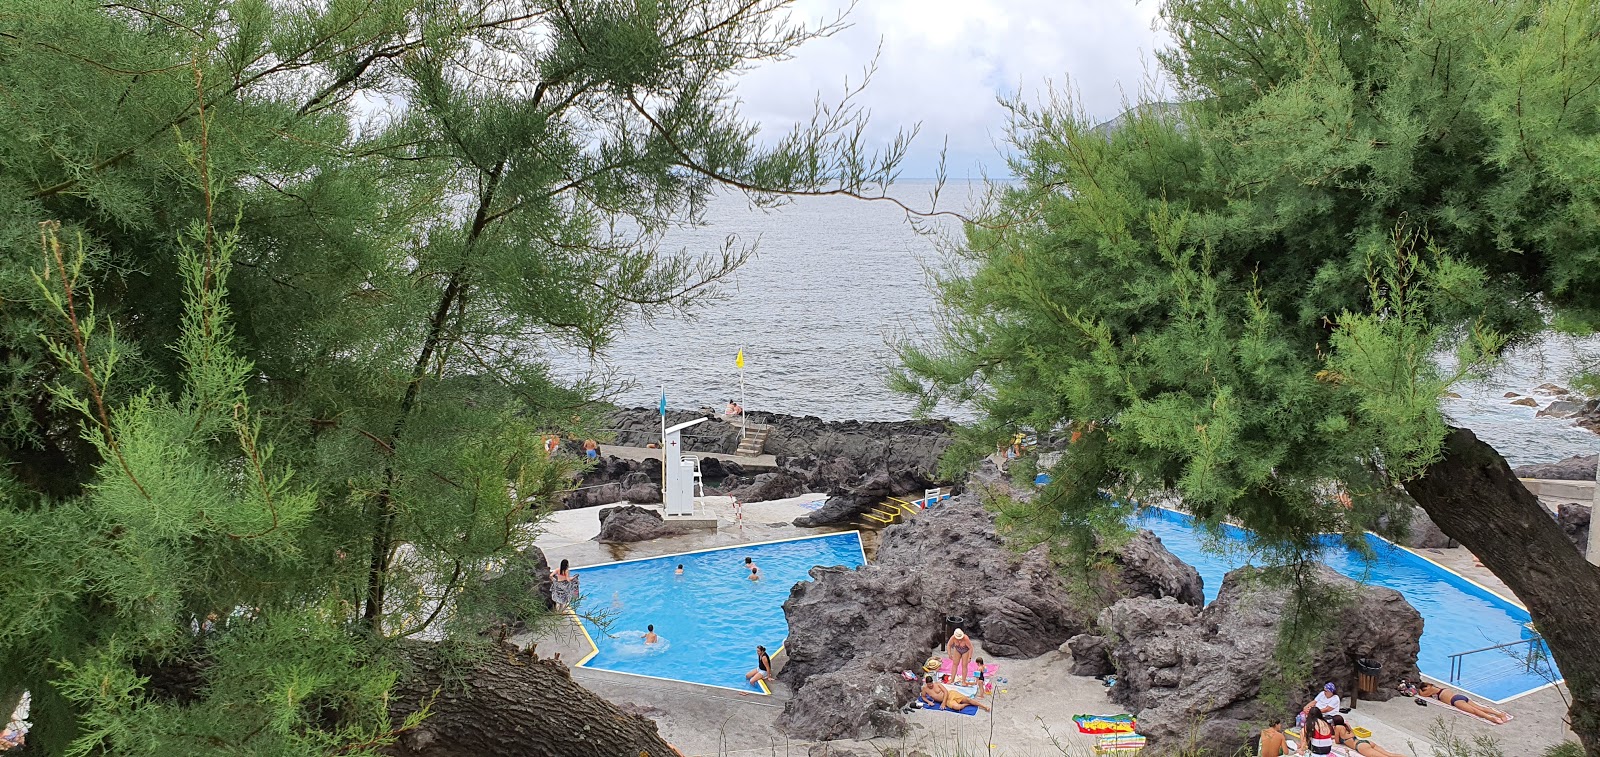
(278, 283)
(1241, 298)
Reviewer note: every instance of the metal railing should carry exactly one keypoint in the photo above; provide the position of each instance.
(1535, 657)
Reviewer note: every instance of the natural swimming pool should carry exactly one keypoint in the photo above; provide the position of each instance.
(1457, 615)
(710, 619)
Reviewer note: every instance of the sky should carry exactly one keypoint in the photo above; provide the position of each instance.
(945, 63)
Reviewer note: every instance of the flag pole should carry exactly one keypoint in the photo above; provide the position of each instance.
(744, 415)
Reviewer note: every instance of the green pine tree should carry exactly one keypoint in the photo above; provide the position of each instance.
(1239, 298)
(277, 286)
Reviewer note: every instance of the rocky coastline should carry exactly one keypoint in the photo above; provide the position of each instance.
(859, 462)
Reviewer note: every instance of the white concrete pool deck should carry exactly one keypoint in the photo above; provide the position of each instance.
(1034, 708)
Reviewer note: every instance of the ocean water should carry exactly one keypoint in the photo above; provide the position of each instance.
(1457, 615)
(709, 620)
(835, 281)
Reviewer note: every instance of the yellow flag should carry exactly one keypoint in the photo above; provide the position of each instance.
(738, 360)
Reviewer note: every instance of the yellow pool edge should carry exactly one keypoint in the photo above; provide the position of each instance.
(594, 649)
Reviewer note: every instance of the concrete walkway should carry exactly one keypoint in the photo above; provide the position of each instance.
(645, 453)
(569, 534)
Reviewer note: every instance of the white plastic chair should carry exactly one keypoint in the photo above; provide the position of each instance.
(699, 482)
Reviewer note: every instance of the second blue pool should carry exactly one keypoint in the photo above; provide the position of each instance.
(1457, 615)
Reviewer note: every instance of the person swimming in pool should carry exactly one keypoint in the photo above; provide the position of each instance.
(1343, 734)
(650, 636)
(959, 650)
(1455, 699)
(755, 573)
(749, 562)
(679, 571)
(937, 693)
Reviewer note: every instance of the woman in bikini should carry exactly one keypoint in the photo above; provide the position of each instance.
(959, 650)
(1318, 734)
(563, 586)
(1364, 747)
(1460, 701)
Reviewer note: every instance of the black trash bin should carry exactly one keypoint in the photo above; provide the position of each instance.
(1367, 671)
(951, 623)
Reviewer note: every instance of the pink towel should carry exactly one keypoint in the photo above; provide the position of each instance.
(945, 666)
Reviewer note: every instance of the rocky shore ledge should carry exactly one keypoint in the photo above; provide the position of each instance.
(867, 460)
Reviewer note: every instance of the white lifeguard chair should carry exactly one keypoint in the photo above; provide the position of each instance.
(679, 474)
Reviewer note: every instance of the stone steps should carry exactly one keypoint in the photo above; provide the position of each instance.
(755, 437)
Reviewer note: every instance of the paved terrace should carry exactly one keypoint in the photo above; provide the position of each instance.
(1033, 711)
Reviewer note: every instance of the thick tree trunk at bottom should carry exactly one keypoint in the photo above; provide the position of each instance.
(512, 705)
(1475, 499)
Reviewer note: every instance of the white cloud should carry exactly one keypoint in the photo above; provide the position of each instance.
(944, 63)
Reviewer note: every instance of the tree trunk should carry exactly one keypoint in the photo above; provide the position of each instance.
(1475, 499)
(511, 705)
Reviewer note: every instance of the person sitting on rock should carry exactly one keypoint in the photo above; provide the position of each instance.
(1459, 701)
(1343, 734)
(733, 410)
(937, 693)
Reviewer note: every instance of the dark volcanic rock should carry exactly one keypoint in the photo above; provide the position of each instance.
(630, 524)
(895, 446)
(613, 479)
(886, 617)
(525, 573)
(1576, 520)
(1576, 468)
(716, 469)
(1424, 533)
(1091, 655)
(1149, 570)
(1560, 409)
(1179, 668)
(843, 508)
(770, 486)
(855, 706)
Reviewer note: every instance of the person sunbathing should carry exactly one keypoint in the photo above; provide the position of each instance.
(1459, 701)
(934, 692)
(1343, 734)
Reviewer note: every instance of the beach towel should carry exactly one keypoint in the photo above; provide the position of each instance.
(970, 709)
(971, 692)
(1105, 724)
(1118, 742)
(945, 666)
(1431, 702)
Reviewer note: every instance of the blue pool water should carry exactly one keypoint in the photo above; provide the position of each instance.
(709, 619)
(1457, 615)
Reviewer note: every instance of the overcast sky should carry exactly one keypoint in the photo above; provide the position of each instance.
(944, 63)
